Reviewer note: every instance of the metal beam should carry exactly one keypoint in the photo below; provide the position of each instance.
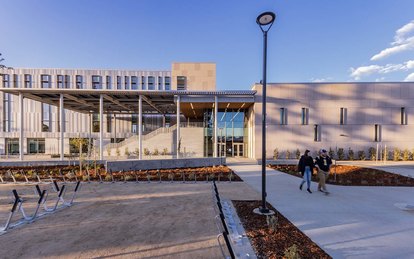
(150, 103)
(114, 101)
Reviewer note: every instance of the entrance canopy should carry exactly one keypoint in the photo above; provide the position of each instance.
(126, 101)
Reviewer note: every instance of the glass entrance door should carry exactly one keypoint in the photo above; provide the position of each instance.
(238, 150)
(221, 149)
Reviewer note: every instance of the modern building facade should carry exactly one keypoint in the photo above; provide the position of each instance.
(180, 113)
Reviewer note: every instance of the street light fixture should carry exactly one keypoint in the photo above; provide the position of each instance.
(265, 22)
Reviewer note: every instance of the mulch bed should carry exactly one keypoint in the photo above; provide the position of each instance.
(72, 173)
(354, 176)
(268, 243)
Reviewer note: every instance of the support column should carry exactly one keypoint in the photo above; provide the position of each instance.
(62, 125)
(215, 126)
(178, 126)
(21, 135)
(101, 127)
(140, 127)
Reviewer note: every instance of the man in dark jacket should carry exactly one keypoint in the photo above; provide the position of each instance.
(323, 162)
(306, 166)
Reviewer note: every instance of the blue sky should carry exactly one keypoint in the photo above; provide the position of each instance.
(311, 40)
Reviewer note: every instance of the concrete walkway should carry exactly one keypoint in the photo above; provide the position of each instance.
(351, 222)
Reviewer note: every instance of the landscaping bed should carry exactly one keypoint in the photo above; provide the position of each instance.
(92, 173)
(281, 240)
(354, 176)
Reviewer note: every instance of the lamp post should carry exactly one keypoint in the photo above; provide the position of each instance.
(265, 22)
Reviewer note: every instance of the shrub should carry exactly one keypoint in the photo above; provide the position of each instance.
(361, 155)
(108, 178)
(164, 151)
(146, 152)
(351, 155)
(156, 152)
(340, 154)
(288, 154)
(331, 153)
(137, 151)
(406, 155)
(126, 151)
(396, 154)
(118, 152)
(272, 222)
(292, 252)
(297, 153)
(275, 153)
(372, 153)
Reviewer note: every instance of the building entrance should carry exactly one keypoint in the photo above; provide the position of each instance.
(238, 150)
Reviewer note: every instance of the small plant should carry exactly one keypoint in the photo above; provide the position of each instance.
(230, 176)
(108, 178)
(351, 155)
(340, 154)
(146, 152)
(361, 155)
(165, 151)
(331, 153)
(292, 252)
(272, 222)
(85, 178)
(171, 176)
(275, 154)
(191, 176)
(118, 152)
(148, 176)
(126, 151)
(108, 151)
(297, 153)
(288, 154)
(128, 178)
(396, 154)
(372, 153)
(156, 152)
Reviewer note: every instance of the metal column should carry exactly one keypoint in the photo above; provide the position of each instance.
(62, 124)
(178, 127)
(140, 126)
(21, 136)
(215, 126)
(101, 127)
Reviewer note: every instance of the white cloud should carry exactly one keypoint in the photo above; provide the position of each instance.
(321, 80)
(409, 64)
(364, 71)
(410, 77)
(402, 42)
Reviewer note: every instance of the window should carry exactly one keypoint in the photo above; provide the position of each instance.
(108, 122)
(95, 122)
(118, 82)
(67, 82)
(96, 82)
(143, 87)
(305, 116)
(316, 133)
(16, 80)
(27, 81)
(167, 83)
(6, 112)
(134, 83)
(6, 81)
(159, 83)
(36, 145)
(45, 81)
(342, 116)
(46, 118)
(79, 82)
(151, 83)
(108, 82)
(181, 83)
(134, 124)
(283, 116)
(12, 146)
(403, 116)
(59, 81)
(126, 82)
(377, 134)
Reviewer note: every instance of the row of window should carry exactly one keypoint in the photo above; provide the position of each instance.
(317, 135)
(343, 114)
(98, 82)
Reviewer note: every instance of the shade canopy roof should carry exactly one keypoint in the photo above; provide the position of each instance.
(126, 101)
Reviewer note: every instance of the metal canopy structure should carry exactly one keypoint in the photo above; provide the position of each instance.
(126, 101)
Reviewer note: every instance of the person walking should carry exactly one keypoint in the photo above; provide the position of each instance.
(306, 166)
(323, 163)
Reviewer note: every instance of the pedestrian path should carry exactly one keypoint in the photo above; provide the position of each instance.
(351, 222)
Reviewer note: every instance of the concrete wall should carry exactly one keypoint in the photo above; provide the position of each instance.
(164, 163)
(366, 104)
(200, 76)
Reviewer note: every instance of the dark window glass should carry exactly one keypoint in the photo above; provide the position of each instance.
(126, 82)
(167, 83)
(181, 83)
(79, 82)
(134, 83)
(45, 81)
(151, 83)
(108, 82)
(27, 81)
(96, 82)
(118, 82)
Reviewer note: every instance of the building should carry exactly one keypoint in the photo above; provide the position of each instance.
(179, 113)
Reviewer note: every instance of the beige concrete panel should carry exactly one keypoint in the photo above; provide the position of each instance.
(200, 76)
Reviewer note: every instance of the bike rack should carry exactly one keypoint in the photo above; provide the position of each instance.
(39, 202)
(16, 202)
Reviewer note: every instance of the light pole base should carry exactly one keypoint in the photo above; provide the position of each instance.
(263, 211)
